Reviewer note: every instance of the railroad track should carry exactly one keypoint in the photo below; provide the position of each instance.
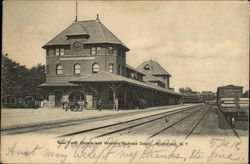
(130, 124)
(64, 123)
(181, 120)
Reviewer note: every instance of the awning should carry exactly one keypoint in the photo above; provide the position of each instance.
(57, 84)
(105, 76)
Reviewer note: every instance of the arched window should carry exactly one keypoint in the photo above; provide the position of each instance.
(77, 69)
(95, 68)
(59, 69)
(147, 67)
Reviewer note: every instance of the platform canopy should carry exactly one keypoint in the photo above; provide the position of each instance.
(107, 77)
(58, 84)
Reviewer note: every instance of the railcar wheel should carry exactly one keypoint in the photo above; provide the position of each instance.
(233, 121)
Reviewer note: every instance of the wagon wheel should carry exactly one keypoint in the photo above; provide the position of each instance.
(81, 108)
(76, 107)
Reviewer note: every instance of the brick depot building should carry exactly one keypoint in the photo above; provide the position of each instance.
(86, 62)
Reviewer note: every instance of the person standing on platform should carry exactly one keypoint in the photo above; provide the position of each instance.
(99, 104)
(116, 104)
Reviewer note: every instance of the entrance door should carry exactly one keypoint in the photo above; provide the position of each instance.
(58, 99)
(95, 100)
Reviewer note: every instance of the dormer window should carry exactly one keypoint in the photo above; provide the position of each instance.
(61, 51)
(147, 67)
(110, 69)
(93, 50)
(57, 52)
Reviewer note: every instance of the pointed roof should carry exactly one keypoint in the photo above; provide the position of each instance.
(154, 68)
(96, 31)
(75, 29)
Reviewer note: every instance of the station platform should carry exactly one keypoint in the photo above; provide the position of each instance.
(14, 118)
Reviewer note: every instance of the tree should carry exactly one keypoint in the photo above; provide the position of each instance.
(13, 76)
(246, 94)
(182, 91)
(188, 91)
(20, 81)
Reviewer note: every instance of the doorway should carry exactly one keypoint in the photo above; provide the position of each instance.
(58, 99)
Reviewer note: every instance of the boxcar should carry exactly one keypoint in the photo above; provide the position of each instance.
(230, 103)
(191, 99)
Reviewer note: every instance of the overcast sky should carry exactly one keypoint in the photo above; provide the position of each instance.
(201, 44)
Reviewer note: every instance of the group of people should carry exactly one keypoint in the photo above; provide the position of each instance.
(99, 104)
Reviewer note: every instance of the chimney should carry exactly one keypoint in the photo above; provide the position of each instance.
(97, 18)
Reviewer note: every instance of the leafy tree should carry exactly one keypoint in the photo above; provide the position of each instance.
(20, 81)
(246, 94)
(182, 91)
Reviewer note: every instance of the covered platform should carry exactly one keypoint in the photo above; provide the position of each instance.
(129, 92)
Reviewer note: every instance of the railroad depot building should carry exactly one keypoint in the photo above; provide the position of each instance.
(87, 62)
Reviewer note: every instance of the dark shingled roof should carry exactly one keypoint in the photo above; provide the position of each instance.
(105, 76)
(76, 29)
(155, 68)
(96, 31)
(152, 78)
(134, 69)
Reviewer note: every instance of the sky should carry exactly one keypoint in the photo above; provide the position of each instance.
(203, 45)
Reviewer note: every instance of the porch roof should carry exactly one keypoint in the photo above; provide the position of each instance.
(57, 84)
(105, 76)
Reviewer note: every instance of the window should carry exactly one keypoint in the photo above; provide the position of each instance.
(77, 69)
(110, 69)
(93, 50)
(57, 52)
(61, 51)
(146, 67)
(136, 76)
(110, 50)
(95, 68)
(122, 53)
(132, 75)
(118, 69)
(98, 48)
(59, 69)
(8, 100)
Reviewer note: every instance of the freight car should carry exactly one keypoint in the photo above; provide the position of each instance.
(231, 104)
(191, 99)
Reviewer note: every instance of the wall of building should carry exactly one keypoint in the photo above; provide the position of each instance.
(85, 59)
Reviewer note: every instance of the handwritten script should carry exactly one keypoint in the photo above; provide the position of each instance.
(90, 150)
